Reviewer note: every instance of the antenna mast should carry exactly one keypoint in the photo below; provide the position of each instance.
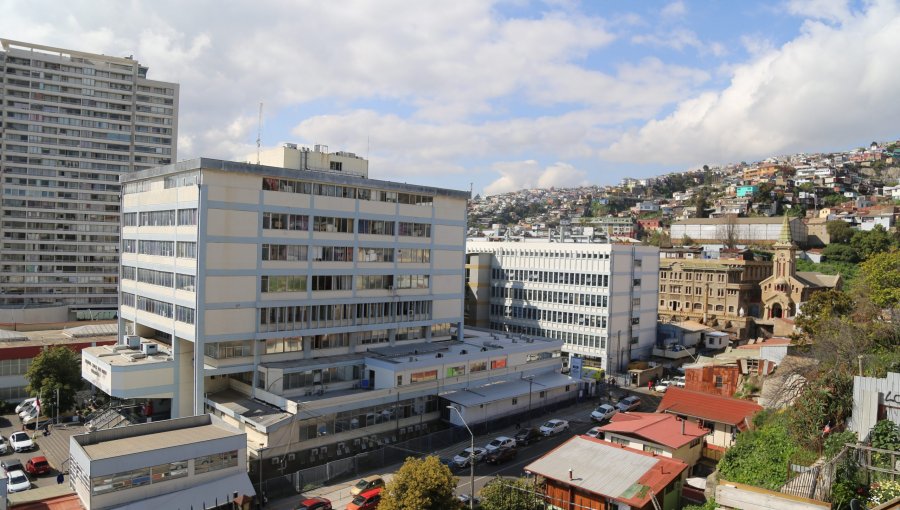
(259, 132)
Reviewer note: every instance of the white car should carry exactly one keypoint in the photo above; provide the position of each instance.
(462, 458)
(594, 432)
(500, 442)
(678, 380)
(554, 426)
(28, 402)
(631, 403)
(662, 386)
(17, 481)
(4, 446)
(28, 411)
(20, 442)
(603, 413)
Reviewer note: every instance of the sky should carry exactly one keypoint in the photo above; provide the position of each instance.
(505, 95)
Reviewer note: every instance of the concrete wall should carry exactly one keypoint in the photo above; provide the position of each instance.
(745, 497)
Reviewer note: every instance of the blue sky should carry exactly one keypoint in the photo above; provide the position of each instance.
(509, 94)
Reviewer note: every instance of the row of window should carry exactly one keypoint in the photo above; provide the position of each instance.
(290, 318)
(299, 253)
(688, 290)
(560, 255)
(183, 249)
(161, 308)
(300, 222)
(528, 275)
(161, 278)
(170, 471)
(549, 296)
(569, 337)
(536, 314)
(331, 190)
(677, 275)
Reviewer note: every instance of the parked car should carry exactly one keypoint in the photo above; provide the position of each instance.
(464, 499)
(678, 380)
(367, 483)
(528, 435)
(16, 481)
(500, 455)
(499, 443)
(3, 445)
(37, 466)
(603, 413)
(28, 412)
(314, 504)
(28, 402)
(21, 442)
(462, 459)
(662, 386)
(628, 404)
(12, 465)
(594, 432)
(367, 500)
(554, 426)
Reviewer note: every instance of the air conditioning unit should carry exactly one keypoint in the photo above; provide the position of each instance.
(132, 341)
(149, 348)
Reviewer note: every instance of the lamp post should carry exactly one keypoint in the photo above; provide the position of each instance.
(530, 383)
(471, 459)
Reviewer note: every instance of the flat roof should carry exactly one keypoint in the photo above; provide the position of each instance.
(80, 334)
(219, 165)
(156, 441)
(507, 389)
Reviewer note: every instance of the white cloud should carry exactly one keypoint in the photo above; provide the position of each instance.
(674, 10)
(830, 10)
(826, 88)
(516, 175)
(680, 39)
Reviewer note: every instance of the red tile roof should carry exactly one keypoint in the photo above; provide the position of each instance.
(659, 428)
(705, 406)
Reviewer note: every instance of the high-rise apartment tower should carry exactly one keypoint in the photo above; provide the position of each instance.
(72, 123)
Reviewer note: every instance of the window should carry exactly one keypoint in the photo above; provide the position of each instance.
(719, 382)
(184, 314)
(413, 255)
(286, 252)
(129, 219)
(456, 371)
(280, 345)
(184, 282)
(477, 366)
(636, 282)
(498, 363)
(332, 253)
(282, 221)
(428, 375)
(376, 227)
(415, 229)
(187, 250)
(157, 248)
(225, 350)
(375, 254)
(153, 306)
(515, 401)
(215, 462)
(153, 277)
(286, 283)
(157, 218)
(333, 224)
(332, 282)
(187, 216)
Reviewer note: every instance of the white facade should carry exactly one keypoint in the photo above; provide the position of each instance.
(600, 299)
(238, 270)
(73, 123)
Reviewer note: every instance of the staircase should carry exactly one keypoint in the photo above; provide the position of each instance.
(107, 419)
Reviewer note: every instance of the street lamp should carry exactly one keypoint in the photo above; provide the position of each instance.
(530, 383)
(471, 458)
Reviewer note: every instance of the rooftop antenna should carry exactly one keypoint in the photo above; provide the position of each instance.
(259, 132)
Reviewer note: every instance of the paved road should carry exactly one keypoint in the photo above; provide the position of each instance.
(579, 423)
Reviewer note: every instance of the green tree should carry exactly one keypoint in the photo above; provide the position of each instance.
(839, 231)
(701, 202)
(56, 368)
(880, 276)
(510, 494)
(423, 484)
(841, 253)
(874, 241)
(821, 307)
(760, 457)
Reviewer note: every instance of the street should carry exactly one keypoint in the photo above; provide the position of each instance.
(579, 422)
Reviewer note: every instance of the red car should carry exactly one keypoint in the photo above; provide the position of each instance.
(37, 466)
(314, 504)
(368, 500)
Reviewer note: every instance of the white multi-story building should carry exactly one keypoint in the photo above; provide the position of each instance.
(319, 312)
(72, 123)
(600, 299)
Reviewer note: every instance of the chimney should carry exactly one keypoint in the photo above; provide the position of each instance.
(682, 427)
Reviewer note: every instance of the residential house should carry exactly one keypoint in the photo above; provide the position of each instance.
(724, 417)
(660, 433)
(577, 474)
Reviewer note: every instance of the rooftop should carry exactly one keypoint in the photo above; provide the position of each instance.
(708, 407)
(507, 389)
(660, 428)
(236, 167)
(121, 441)
(90, 332)
(636, 476)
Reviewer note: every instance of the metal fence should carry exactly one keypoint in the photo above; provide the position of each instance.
(815, 482)
(347, 468)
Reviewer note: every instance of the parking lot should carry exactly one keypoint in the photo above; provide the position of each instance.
(55, 447)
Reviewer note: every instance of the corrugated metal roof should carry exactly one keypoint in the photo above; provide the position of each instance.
(659, 428)
(607, 469)
(715, 408)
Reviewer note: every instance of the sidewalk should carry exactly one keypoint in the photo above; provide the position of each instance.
(339, 493)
